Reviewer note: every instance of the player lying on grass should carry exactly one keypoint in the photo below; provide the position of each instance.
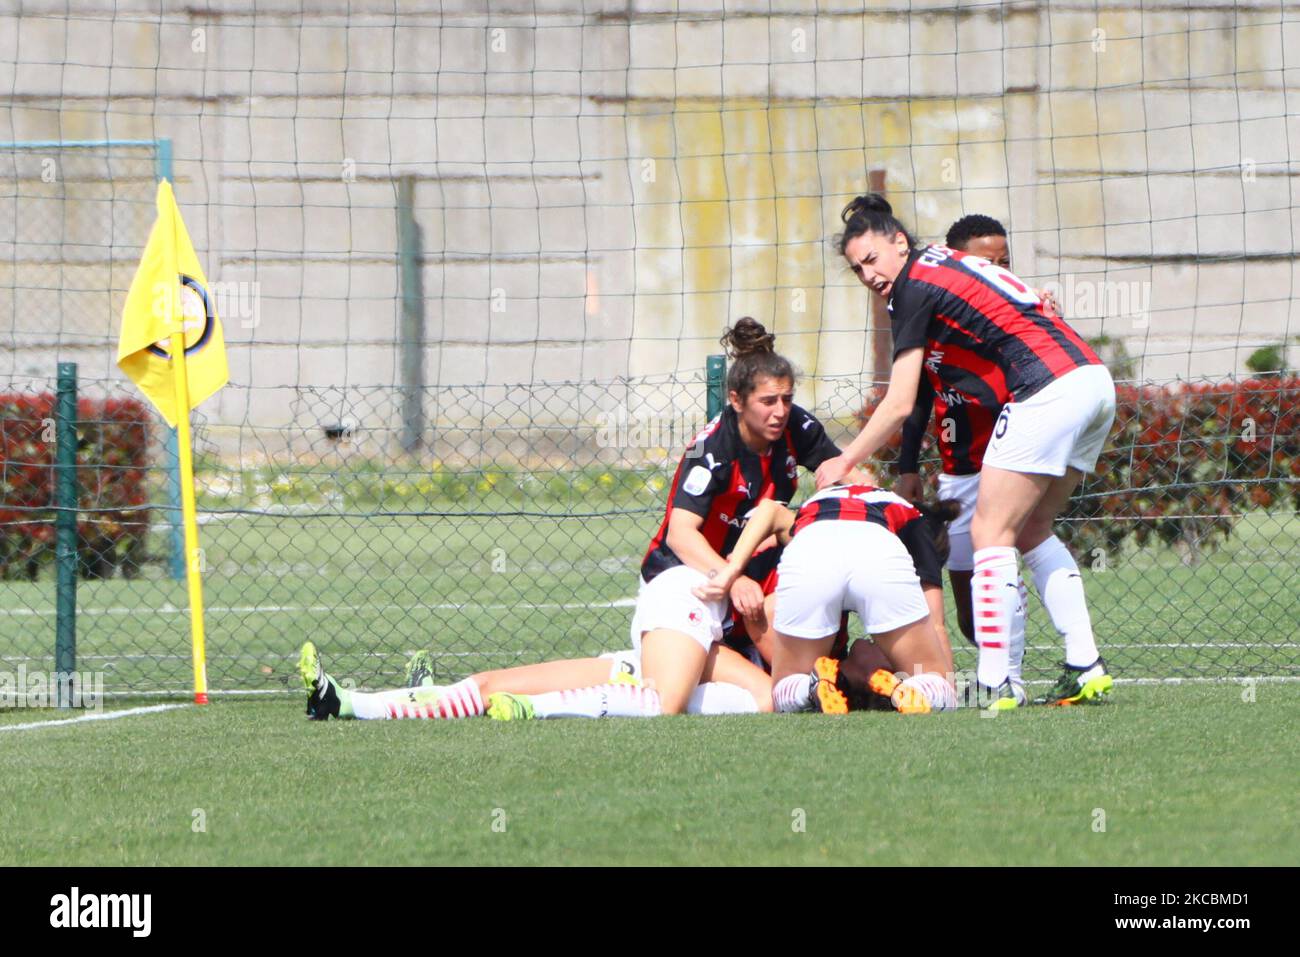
(545, 690)
(978, 318)
(551, 689)
(846, 552)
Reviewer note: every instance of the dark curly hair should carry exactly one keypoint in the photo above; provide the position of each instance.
(752, 351)
(972, 227)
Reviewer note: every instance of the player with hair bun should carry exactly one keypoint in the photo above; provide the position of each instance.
(1060, 409)
(749, 453)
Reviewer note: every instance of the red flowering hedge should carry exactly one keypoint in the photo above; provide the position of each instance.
(112, 456)
(1183, 461)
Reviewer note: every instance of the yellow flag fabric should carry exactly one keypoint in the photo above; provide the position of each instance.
(169, 288)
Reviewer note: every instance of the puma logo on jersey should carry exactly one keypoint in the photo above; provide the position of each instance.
(742, 488)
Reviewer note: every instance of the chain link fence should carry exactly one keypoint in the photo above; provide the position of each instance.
(515, 533)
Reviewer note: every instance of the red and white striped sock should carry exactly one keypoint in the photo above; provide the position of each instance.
(792, 693)
(461, 700)
(994, 596)
(602, 701)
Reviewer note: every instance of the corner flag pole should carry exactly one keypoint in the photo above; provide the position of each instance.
(193, 555)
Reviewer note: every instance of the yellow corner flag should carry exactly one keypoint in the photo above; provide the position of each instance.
(170, 293)
(172, 348)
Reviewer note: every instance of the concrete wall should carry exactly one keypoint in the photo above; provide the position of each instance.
(602, 186)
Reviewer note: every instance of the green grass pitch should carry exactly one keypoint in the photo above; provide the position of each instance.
(1159, 775)
(1185, 774)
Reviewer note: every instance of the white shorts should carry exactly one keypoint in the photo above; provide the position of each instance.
(832, 567)
(667, 602)
(965, 489)
(1063, 425)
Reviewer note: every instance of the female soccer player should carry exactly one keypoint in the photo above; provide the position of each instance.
(965, 406)
(851, 548)
(953, 309)
(750, 452)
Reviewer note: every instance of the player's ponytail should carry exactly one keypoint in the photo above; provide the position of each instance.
(870, 213)
(752, 351)
(937, 515)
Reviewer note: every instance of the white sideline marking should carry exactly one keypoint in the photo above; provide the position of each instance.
(101, 716)
(170, 609)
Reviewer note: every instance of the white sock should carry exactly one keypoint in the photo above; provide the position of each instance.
(936, 688)
(721, 697)
(461, 700)
(994, 598)
(602, 701)
(1016, 652)
(1060, 586)
(792, 693)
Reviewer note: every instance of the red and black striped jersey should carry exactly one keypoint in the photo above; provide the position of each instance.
(965, 394)
(720, 479)
(983, 322)
(866, 503)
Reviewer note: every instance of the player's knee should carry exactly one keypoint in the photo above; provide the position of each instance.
(1037, 530)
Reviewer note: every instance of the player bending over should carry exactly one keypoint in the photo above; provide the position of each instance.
(846, 552)
(983, 319)
(965, 404)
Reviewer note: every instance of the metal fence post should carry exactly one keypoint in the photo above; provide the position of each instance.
(65, 524)
(716, 370)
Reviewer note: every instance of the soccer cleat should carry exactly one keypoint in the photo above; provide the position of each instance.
(322, 692)
(420, 670)
(1080, 684)
(503, 706)
(826, 694)
(1006, 697)
(884, 683)
(905, 698)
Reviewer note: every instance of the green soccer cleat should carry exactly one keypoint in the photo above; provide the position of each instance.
(420, 670)
(1007, 697)
(503, 706)
(1090, 683)
(323, 699)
